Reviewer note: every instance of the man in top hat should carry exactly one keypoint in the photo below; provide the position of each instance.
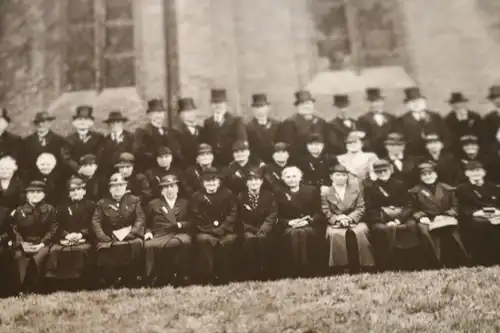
(377, 123)
(295, 130)
(258, 214)
(167, 243)
(462, 121)
(189, 130)
(193, 178)
(479, 202)
(418, 121)
(155, 135)
(316, 163)
(10, 144)
(273, 170)
(222, 129)
(389, 221)
(213, 214)
(262, 130)
(117, 141)
(492, 120)
(137, 182)
(43, 140)
(82, 141)
(234, 174)
(446, 164)
(339, 127)
(404, 166)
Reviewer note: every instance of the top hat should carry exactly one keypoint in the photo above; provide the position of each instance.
(75, 183)
(240, 145)
(341, 101)
(85, 112)
(114, 117)
(412, 94)
(494, 92)
(373, 94)
(255, 173)
(205, 148)
(185, 104)
(395, 138)
(210, 173)
(88, 159)
(42, 116)
(303, 96)
(218, 95)
(381, 165)
(259, 100)
(468, 139)
(155, 105)
(4, 114)
(427, 167)
(162, 151)
(117, 179)
(125, 159)
(457, 97)
(36, 185)
(169, 180)
(280, 146)
(338, 168)
(474, 165)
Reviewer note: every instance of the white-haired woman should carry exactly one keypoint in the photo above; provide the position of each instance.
(54, 184)
(299, 213)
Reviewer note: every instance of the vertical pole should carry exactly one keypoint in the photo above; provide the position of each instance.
(168, 22)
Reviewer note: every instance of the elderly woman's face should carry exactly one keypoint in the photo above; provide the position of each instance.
(35, 197)
(7, 169)
(428, 177)
(46, 165)
(292, 178)
(254, 183)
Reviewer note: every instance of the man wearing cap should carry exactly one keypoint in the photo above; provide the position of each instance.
(296, 129)
(343, 206)
(492, 120)
(434, 207)
(356, 161)
(377, 123)
(118, 224)
(446, 164)
(316, 163)
(339, 127)
(193, 178)
(189, 130)
(213, 212)
(117, 141)
(258, 214)
(43, 140)
(46, 171)
(167, 241)
(95, 184)
(389, 220)
(137, 183)
(222, 129)
(273, 170)
(404, 166)
(163, 166)
(462, 121)
(10, 144)
(71, 258)
(262, 130)
(155, 135)
(234, 174)
(418, 121)
(83, 141)
(479, 202)
(34, 226)
(470, 151)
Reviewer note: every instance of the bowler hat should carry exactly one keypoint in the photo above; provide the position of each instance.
(155, 104)
(468, 139)
(412, 94)
(218, 95)
(494, 92)
(42, 116)
(4, 114)
(373, 94)
(88, 159)
(125, 159)
(395, 138)
(303, 96)
(259, 100)
(240, 145)
(75, 183)
(381, 165)
(117, 179)
(162, 151)
(115, 116)
(169, 180)
(205, 148)
(341, 101)
(210, 173)
(338, 168)
(457, 97)
(36, 185)
(84, 111)
(185, 104)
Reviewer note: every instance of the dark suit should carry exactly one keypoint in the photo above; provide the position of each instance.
(74, 148)
(296, 130)
(409, 171)
(336, 134)
(168, 251)
(111, 150)
(189, 144)
(148, 139)
(458, 128)
(261, 138)
(375, 133)
(11, 144)
(33, 147)
(491, 126)
(221, 137)
(316, 170)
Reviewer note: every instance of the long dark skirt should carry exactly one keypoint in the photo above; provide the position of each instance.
(119, 254)
(256, 251)
(167, 254)
(69, 262)
(445, 245)
(35, 260)
(482, 239)
(337, 239)
(214, 252)
(301, 248)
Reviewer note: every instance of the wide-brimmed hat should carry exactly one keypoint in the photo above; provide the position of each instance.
(303, 96)
(494, 92)
(4, 114)
(115, 116)
(36, 185)
(381, 165)
(457, 97)
(373, 94)
(341, 101)
(116, 179)
(125, 159)
(155, 105)
(84, 112)
(259, 100)
(205, 148)
(169, 180)
(218, 96)
(42, 116)
(185, 104)
(394, 138)
(412, 93)
(88, 159)
(75, 183)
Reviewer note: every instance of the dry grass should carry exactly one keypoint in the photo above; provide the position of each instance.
(464, 300)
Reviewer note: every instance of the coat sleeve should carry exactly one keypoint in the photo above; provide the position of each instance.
(97, 225)
(271, 218)
(359, 210)
(140, 219)
(240, 130)
(141, 144)
(52, 227)
(453, 210)
(414, 208)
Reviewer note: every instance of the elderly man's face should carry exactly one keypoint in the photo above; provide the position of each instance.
(315, 148)
(434, 147)
(393, 149)
(377, 105)
(157, 118)
(417, 105)
(7, 169)
(189, 116)
(261, 111)
(219, 108)
(460, 106)
(43, 126)
(116, 126)
(83, 124)
(89, 169)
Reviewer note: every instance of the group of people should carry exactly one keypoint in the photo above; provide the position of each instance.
(232, 199)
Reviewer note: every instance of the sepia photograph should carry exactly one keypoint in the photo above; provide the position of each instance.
(249, 166)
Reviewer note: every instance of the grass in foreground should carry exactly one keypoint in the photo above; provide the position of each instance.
(464, 300)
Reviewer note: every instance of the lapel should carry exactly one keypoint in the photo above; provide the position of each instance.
(351, 194)
(431, 199)
(169, 212)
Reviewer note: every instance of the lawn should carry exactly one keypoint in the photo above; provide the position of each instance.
(464, 300)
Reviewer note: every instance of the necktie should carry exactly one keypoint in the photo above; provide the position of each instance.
(43, 141)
